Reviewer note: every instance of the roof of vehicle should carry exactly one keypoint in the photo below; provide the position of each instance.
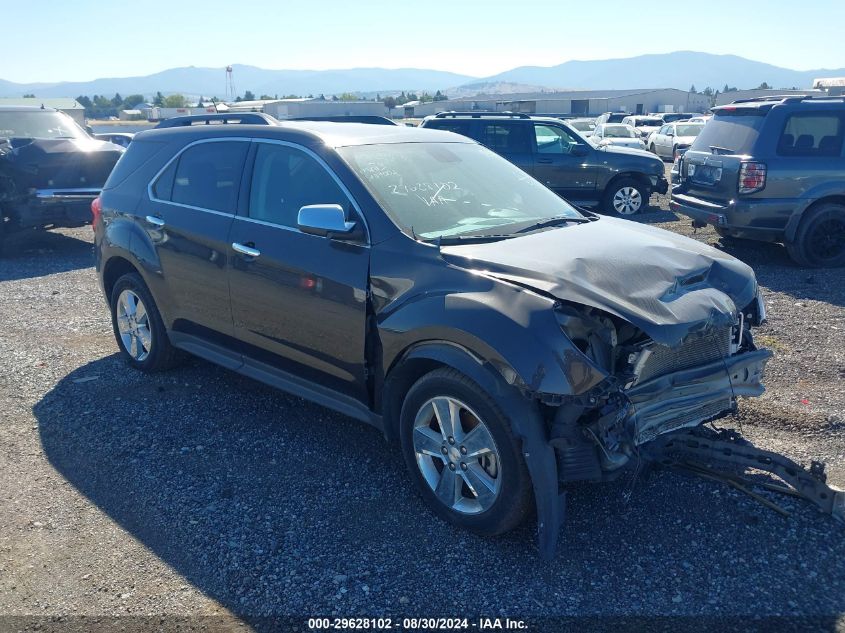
(17, 108)
(769, 102)
(326, 132)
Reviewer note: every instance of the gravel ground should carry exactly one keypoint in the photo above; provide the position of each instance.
(202, 493)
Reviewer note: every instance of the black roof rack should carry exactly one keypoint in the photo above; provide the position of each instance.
(251, 118)
(477, 114)
(788, 98)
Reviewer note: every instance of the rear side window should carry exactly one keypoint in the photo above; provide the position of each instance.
(458, 127)
(209, 175)
(811, 134)
(731, 132)
(504, 138)
(138, 153)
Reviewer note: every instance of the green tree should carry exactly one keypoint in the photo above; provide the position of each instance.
(764, 86)
(132, 100)
(117, 100)
(439, 96)
(249, 96)
(175, 101)
(389, 102)
(85, 102)
(158, 100)
(692, 89)
(29, 96)
(263, 97)
(348, 96)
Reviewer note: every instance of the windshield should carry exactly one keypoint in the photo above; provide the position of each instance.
(433, 190)
(730, 132)
(583, 126)
(669, 118)
(39, 124)
(619, 131)
(688, 130)
(648, 123)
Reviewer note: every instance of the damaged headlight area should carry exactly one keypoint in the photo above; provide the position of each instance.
(650, 389)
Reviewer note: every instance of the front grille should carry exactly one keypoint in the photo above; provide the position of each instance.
(696, 350)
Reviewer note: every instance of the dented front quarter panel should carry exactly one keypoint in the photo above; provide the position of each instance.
(418, 298)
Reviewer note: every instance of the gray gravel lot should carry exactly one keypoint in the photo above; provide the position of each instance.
(199, 492)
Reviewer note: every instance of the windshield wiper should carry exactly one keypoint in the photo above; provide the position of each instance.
(458, 239)
(556, 221)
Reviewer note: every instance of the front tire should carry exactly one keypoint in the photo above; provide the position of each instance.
(462, 455)
(626, 196)
(820, 239)
(138, 327)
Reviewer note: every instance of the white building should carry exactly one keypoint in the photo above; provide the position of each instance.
(69, 106)
(300, 108)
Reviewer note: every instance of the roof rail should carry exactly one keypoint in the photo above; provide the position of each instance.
(476, 114)
(788, 98)
(253, 118)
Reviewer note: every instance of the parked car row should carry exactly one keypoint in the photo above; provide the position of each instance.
(429, 281)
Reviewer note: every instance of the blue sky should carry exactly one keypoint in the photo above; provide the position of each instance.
(79, 40)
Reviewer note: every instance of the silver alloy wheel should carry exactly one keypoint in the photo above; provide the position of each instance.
(457, 455)
(133, 324)
(627, 201)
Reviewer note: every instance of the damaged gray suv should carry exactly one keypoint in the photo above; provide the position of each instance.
(415, 280)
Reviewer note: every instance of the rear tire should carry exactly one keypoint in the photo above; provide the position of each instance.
(820, 239)
(473, 447)
(138, 327)
(626, 197)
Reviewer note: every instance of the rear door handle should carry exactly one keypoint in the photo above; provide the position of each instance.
(544, 160)
(244, 249)
(155, 221)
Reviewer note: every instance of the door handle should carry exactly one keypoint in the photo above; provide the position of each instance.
(244, 249)
(544, 160)
(155, 221)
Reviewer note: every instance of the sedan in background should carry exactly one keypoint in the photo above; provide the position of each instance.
(584, 126)
(671, 140)
(118, 138)
(618, 135)
(645, 125)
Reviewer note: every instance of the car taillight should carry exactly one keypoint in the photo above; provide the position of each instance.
(96, 208)
(752, 177)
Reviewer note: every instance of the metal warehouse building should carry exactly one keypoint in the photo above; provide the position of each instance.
(68, 106)
(574, 102)
(296, 108)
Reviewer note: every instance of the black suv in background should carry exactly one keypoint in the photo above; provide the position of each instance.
(771, 169)
(621, 180)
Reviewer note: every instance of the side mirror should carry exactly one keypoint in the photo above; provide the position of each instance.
(579, 149)
(325, 220)
(670, 133)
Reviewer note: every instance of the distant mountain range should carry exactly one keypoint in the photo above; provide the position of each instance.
(669, 70)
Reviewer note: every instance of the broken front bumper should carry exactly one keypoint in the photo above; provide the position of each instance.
(56, 207)
(689, 397)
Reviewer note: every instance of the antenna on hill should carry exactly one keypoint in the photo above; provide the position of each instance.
(231, 93)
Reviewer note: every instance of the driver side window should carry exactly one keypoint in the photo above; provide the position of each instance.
(284, 179)
(553, 140)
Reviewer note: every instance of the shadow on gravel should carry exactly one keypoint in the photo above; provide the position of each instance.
(40, 253)
(776, 271)
(274, 506)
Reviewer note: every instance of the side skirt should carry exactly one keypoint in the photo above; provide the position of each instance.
(275, 377)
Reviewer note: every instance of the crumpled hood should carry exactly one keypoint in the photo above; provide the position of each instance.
(667, 285)
(58, 163)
